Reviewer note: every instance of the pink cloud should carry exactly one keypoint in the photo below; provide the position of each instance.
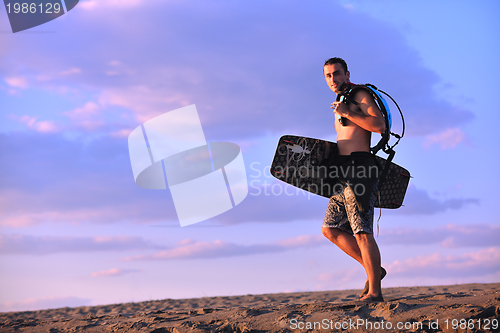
(17, 82)
(44, 126)
(87, 117)
(123, 133)
(338, 278)
(344, 275)
(484, 258)
(45, 245)
(192, 250)
(19, 220)
(435, 260)
(189, 249)
(71, 71)
(447, 139)
(303, 241)
(88, 110)
(232, 68)
(97, 5)
(144, 101)
(479, 263)
(448, 236)
(113, 272)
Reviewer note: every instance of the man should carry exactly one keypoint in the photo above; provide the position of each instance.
(348, 221)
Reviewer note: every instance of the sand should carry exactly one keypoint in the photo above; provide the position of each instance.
(455, 308)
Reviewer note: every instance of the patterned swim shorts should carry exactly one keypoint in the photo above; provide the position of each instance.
(348, 210)
(343, 212)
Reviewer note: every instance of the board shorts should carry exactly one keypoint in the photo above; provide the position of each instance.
(351, 208)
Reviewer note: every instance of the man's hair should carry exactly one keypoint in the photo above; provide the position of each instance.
(336, 60)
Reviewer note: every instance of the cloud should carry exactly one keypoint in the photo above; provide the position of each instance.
(448, 236)
(418, 202)
(42, 245)
(221, 249)
(113, 272)
(92, 182)
(279, 202)
(341, 279)
(145, 102)
(44, 126)
(447, 139)
(98, 5)
(73, 182)
(243, 82)
(71, 71)
(480, 263)
(89, 109)
(302, 241)
(17, 82)
(12, 244)
(53, 302)
(89, 117)
(276, 202)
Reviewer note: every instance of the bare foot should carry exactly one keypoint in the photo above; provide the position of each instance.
(383, 273)
(373, 298)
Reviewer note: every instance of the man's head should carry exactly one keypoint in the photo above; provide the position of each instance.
(336, 73)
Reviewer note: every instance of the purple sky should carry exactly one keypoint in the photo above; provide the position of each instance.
(76, 230)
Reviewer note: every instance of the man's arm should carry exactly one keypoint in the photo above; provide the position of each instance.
(366, 115)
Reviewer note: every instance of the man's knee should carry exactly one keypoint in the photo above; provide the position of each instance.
(331, 233)
(326, 232)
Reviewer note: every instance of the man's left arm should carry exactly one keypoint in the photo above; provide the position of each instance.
(367, 116)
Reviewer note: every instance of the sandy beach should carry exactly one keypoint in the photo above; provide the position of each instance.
(454, 308)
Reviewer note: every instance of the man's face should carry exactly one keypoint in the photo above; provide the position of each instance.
(335, 76)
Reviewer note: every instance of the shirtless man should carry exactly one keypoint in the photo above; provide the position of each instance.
(349, 223)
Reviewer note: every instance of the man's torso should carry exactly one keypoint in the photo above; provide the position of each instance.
(351, 138)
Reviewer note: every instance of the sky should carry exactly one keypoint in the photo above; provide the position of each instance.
(76, 230)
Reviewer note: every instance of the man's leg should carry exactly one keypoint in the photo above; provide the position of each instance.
(361, 247)
(360, 211)
(345, 241)
(370, 255)
(364, 250)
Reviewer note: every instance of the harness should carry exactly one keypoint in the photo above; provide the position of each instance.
(347, 96)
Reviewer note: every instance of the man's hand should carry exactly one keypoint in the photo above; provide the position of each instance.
(340, 109)
(365, 114)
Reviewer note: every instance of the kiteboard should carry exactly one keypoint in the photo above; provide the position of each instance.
(305, 163)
